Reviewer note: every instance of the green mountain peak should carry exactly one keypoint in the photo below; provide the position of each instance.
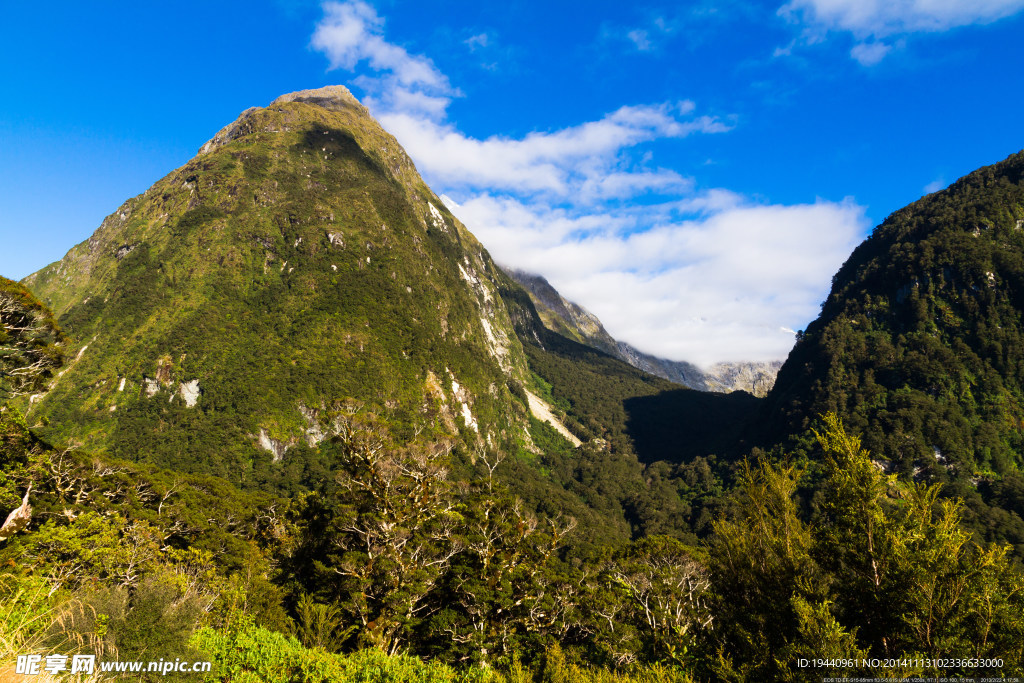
(919, 344)
(297, 265)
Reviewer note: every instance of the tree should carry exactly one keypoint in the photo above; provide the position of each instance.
(30, 352)
(94, 546)
(380, 541)
(769, 598)
(498, 590)
(30, 342)
(885, 571)
(663, 592)
(856, 541)
(909, 579)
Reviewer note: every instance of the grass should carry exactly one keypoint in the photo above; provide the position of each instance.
(26, 612)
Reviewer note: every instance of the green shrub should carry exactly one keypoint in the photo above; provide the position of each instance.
(246, 652)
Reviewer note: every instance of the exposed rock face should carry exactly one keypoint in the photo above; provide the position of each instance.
(189, 392)
(573, 321)
(461, 396)
(328, 97)
(756, 378)
(682, 372)
(542, 411)
(563, 316)
(275, 447)
(18, 519)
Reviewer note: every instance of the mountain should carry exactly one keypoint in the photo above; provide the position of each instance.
(920, 346)
(296, 268)
(294, 311)
(298, 273)
(575, 322)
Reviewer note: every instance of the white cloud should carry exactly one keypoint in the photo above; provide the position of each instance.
(717, 286)
(869, 54)
(873, 22)
(352, 32)
(882, 18)
(703, 275)
(641, 39)
(627, 184)
(584, 158)
(477, 41)
(935, 185)
(645, 39)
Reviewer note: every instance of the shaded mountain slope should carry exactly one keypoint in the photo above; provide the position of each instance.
(633, 411)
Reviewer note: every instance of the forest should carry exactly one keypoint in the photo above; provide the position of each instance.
(275, 415)
(409, 559)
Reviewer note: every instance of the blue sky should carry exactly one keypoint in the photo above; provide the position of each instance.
(692, 173)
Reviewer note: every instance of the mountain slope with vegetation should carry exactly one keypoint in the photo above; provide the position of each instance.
(298, 274)
(297, 262)
(286, 429)
(920, 347)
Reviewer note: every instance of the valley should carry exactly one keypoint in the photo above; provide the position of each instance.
(285, 409)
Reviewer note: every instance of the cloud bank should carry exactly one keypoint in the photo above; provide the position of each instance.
(728, 282)
(687, 273)
(585, 157)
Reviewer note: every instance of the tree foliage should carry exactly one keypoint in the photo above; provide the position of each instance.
(30, 342)
(884, 569)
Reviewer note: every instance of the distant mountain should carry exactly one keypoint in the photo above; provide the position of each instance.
(575, 322)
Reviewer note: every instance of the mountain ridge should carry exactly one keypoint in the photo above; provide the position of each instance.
(572, 320)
